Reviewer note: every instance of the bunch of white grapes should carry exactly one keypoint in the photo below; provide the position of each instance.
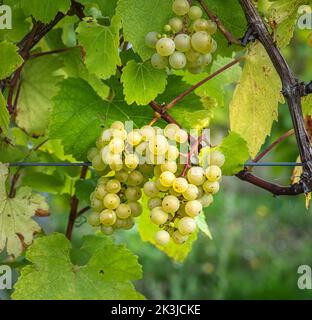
(187, 42)
(152, 160)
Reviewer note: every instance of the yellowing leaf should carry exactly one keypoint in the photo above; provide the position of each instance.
(255, 103)
(10, 60)
(16, 226)
(142, 83)
(4, 115)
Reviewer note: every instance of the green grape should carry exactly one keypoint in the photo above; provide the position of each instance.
(147, 133)
(180, 185)
(181, 212)
(121, 175)
(199, 63)
(216, 158)
(158, 216)
(136, 208)
(96, 204)
(212, 27)
(154, 202)
(151, 39)
(181, 136)
(97, 163)
(186, 226)
(154, 159)
(100, 192)
(123, 211)
(167, 178)
(113, 186)
(214, 46)
(150, 189)
(207, 59)
(192, 56)
(133, 193)
(131, 161)
(108, 231)
(167, 28)
(191, 192)
(92, 153)
(195, 70)
(135, 178)
(103, 180)
(202, 42)
(206, 200)
(180, 7)
(162, 237)
(200, 25)
(170, 130)
(177, 60)
(116, 145)
(176, 24)
(106, 136)
(119, 224)
(170, 204)
(211, 187)
(141, 149)
(178, 238)
(174, 193)
(160, 187)
(147, 170)
(118, 125)
(213, 173)
(116, 165)
(111, 201)
(165, 47)
(108, 217)
(158, 145)
(193, 208)
(94, 219)
(128, 224)
(195, 13)
(159, 62)
(182, 42)
(169, 166)
(173, 153)
(119, 133)
(157, 171)
(200, 191)
(134, 138)
(196, 176)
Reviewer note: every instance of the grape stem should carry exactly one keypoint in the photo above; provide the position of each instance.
(227, 34)
(194, 148)
(200, 83)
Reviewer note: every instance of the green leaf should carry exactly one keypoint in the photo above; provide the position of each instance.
(45, 13)
(4, 116)
(139, 17)
(142, 83)
(101, 44)
(235, 151)
(284, 13)
(203, 226)
(79, 113)
(38, 86)
(52, 276)
(10, 60)
(16, 224)
(307, 105)
(84, 188)
(107, 7)
(147, 231)
(255, 103)
(190, 111)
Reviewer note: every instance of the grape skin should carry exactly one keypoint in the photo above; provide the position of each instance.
(151, 39)
(180, 7)
(165, 47)
(202, 42)
(162, 237)
(177, 60)
(182, 42)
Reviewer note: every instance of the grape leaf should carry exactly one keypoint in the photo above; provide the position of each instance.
(101, 44)
(52, 276)
(255, 103)
(190, 111)
(16, 225)
(84, 188)
(202, 225)
(147, 231)
(107, 7)
(4, 115)
(139, 17)
(45, 13)
(284, 13)
(307, 105)
(235, 151)
(142, 83)
(10, 60)
(79, 113)
(38, 87)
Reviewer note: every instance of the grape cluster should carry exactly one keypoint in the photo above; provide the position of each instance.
(152, 160)
(187, 42)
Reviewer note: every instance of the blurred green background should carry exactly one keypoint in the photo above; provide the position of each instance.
(259, 240)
